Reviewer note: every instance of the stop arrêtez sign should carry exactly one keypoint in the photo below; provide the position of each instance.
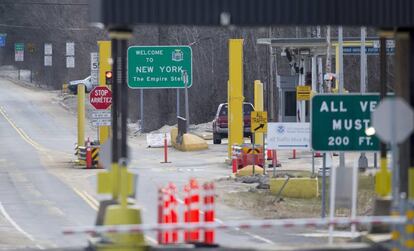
(101, 97)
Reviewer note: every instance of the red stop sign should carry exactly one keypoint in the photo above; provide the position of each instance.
(101, 97)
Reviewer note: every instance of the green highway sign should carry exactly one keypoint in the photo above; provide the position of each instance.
(339, 121)
(19, 46)
(159, 66)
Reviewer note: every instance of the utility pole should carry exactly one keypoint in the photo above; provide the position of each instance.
(271, 84)
(404, 90)
(328, 50)
(410, 78)
(341, 80)
(363, 161)
(270, 92)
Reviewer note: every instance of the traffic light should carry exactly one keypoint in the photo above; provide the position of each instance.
(108, 78)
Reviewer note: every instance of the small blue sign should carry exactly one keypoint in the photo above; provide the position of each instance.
(2, 39)
(351, 50)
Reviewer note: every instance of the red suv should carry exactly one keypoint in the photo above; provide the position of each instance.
(220, 126)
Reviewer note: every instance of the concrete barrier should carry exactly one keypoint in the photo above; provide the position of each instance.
(174, 133)
(248, 171)
(305, 188)
(189, 142)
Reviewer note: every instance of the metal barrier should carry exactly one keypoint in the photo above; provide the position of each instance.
(284, 223)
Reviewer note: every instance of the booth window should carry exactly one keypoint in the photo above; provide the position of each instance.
(290, 103)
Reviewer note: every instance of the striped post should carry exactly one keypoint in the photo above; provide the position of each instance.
(88, 154)
(209, 211)
(160, 214)
(173, 210)
(192, 211)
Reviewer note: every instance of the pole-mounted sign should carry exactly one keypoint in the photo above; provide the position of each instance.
(101, 97)
(159, 66)
(258, 122)
(339, 122)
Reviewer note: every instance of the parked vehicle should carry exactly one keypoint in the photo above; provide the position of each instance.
(220, 122)
(73, 85)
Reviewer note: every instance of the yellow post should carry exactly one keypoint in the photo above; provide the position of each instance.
(104, 66)
(383, 179)
(258, 106)
(235, 95)
(411, 183)
(124, 214)
(81, 115)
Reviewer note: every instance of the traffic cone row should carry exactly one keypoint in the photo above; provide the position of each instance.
(167, 212)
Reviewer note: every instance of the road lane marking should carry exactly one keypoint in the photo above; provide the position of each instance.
(20, 132)
(91, 199)
(86, 199)
(94, 204)
(259, 238)
(150, 239)
(16, 226)
(255, 236)
(26, 137)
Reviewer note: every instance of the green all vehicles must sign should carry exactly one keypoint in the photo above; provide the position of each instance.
(339, 122)
(159, 66)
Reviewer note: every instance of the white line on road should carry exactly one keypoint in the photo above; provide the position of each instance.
(259, 237)
(86, 199)
(94, 204)
(237, 229)
(16, 226)
(91, 198)
(150, 239)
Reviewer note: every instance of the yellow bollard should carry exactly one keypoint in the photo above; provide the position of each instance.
(104, 66)
(123, 214)
(383, 179)
(235, 94)
(81, 115)
(411, 183)
(258, 106)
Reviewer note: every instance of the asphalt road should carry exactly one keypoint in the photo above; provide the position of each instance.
(33, 200)
(40, 194)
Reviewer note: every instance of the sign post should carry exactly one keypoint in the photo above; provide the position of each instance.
(339, 122)
(159, 66)
(393, 123)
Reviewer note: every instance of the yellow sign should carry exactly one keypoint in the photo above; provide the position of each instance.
(258, 122)
(303, 92)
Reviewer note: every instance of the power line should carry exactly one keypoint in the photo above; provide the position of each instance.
(43, 3)
(44, 28)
